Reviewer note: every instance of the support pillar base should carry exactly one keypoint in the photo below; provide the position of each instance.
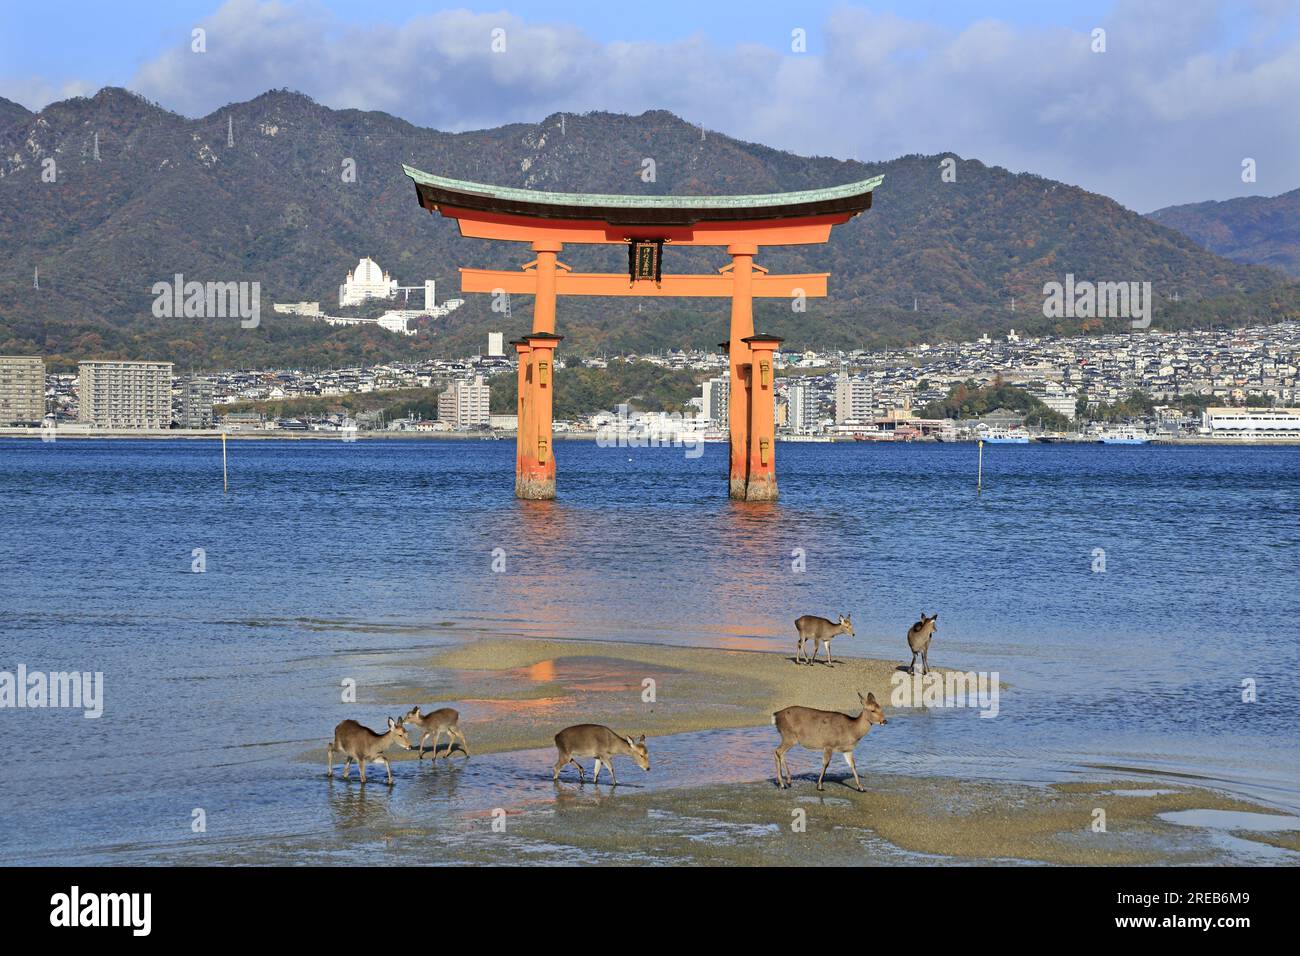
(738, 490)
(761, 488)
(535, 489)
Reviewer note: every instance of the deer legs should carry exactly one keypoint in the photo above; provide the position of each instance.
(826, 762)
(848, 759)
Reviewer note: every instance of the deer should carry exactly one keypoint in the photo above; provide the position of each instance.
(435, 723)
(820, 631)
(594, 740)
(826, 730)
(364, 746)
(918, 639)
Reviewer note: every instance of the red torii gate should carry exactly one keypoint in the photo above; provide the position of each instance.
(644, 224)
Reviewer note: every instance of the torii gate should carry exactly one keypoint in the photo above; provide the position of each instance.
(644, 224)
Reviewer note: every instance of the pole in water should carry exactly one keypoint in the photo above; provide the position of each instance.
(225, 479)
(979, 479)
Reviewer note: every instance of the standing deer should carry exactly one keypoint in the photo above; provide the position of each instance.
(364, 746)
(593, 740)
(826, 730)
(820, 631)
(918, 639)
(434, 724)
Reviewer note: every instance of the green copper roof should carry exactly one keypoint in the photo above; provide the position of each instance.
(439, 190)
(510, 194)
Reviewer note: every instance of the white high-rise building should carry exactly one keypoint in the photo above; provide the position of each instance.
(125, 394)
(801, 404)
(854, 400)
(715, 393)
(496, 345)
(368, 281)
(466, 403)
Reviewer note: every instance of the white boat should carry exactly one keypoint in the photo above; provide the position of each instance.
(1003, 436)
(1123, 436)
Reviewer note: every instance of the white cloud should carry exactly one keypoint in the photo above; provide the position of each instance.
(1165, 115)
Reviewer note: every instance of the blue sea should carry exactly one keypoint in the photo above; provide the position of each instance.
(1126, 596)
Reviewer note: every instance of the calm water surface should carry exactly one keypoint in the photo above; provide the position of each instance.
(331, 557)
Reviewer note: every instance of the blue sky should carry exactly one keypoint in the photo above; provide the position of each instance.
(1185, 90)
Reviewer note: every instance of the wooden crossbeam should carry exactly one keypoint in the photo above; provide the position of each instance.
(811, 285)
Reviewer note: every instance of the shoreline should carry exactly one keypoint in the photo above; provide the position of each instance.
(194, 434)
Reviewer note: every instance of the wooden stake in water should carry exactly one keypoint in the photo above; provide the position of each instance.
(225, 478)
(979, 479)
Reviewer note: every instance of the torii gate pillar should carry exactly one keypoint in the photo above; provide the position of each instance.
(761, 480)
(536, 477)
(738, 362)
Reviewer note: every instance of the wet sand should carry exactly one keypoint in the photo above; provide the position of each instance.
(516, 693)
(899, 820)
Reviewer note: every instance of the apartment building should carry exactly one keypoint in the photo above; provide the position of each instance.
(465, 403)
(22, 389)
(120, 394)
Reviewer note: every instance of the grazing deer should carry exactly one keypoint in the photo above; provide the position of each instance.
(364, 746)
(918, 639)
(820, 631)
(434, 723)
(593, 740)
(826, 730)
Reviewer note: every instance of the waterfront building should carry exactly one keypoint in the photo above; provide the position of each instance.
(22, 389)
(802, 408)
(854, 399)
(120, 394)
(715, 393)
(465, 403)
(196, 395)
(1252, 422)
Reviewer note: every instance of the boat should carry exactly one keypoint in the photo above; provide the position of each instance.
(1124, 436)
(1004, 436)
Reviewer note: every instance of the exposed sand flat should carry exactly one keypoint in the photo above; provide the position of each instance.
(517, 693)
(900, 819)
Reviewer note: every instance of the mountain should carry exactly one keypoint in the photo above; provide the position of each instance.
(11, 113)
(1255, 229)
(256, 192)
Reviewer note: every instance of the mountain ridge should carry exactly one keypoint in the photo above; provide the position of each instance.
(170, 194)
(1259, 230)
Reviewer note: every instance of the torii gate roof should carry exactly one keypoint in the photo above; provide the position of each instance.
(455, 197)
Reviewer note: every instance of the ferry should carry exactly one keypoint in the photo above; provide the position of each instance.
(1004, 436)
(1124, 436)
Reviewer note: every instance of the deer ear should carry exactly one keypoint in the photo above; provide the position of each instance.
(871, 698)
(861, 698)
(630, 741)
(391, 723)
(641, 740)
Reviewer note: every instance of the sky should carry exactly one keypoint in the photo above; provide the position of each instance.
(1183, 93)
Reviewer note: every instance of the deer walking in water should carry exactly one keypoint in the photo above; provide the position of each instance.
(918, 639)
(435, 723)
(820, 631)
(364, 746)
(593, 740)
(826, 730)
